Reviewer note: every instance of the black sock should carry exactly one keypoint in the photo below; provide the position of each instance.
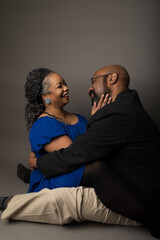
(154, 230)
(23, 173)
(4, 202)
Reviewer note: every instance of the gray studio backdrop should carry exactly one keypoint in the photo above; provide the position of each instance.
(74, 38)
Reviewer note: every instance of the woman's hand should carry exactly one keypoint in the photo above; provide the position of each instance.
(102, 102)
(32, 160)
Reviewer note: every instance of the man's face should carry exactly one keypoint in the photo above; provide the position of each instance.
(98, 87)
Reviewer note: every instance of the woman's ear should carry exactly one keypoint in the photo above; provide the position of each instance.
(113, 79)
(44, 97)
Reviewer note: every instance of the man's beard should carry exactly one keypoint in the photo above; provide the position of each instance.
(95, 97)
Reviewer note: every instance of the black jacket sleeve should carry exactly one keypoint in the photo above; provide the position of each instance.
(96, 143)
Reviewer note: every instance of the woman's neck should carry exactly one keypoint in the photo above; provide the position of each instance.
(58, 112)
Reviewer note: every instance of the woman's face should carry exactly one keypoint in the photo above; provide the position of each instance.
(58, 91)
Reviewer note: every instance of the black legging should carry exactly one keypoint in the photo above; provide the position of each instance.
(115, 194)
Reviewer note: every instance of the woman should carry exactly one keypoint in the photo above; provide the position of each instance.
(51, 127)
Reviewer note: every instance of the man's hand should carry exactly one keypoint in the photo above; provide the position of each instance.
(102, 102)
(32, 160)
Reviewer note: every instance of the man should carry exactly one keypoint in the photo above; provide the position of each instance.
(123, 136)
(125, 141)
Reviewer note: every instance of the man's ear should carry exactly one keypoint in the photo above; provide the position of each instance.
(113, 79)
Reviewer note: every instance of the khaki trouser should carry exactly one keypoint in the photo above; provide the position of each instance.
(61, 206)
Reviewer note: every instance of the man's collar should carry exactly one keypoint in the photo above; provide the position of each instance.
(123, 93)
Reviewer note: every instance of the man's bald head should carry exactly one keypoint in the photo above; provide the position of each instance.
(111, 80)
(122, 73)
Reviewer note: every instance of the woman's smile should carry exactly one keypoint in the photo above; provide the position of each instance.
(66, 96)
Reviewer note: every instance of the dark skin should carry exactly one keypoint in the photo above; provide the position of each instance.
(114, 83)
(32, 160)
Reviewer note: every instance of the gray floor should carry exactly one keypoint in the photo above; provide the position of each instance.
(17, 230)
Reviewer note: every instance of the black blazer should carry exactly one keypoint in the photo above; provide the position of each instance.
(123, 135)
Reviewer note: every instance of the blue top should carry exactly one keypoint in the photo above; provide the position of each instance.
(43, 131)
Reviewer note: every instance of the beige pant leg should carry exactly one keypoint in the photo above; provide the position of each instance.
(93, 209)
(61, 206)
